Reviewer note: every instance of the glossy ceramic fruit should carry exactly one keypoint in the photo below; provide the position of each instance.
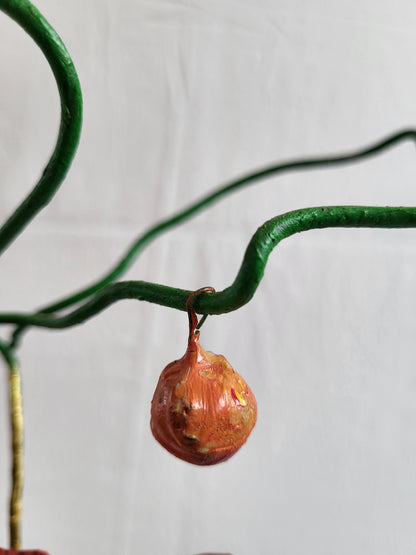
(202, 409)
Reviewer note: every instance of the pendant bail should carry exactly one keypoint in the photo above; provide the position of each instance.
(194, 325)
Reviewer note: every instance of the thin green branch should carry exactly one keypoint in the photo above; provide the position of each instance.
(7, 353)
(249, 275)
(195, 208)
(29, 18)
(33, 22)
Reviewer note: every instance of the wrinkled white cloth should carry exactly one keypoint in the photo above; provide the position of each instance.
(181, 96)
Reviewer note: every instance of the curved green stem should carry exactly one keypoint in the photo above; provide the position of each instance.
(16, 424)
(7, 353)
(294, 165)
(33, 22)
(143, 240)
(249, 275)
(28, 17)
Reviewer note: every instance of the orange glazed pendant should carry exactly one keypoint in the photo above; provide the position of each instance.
(202, 409)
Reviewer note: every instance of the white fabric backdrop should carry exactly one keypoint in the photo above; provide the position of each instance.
(179, 97)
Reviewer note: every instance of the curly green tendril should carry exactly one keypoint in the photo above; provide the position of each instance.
(103, 292)
(28, 17)
(249, 276)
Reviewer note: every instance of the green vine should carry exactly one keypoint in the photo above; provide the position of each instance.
(28, 17)
(249, 276)
(97, 296)
(104, 291)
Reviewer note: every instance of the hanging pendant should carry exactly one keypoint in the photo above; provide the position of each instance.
(202, 409)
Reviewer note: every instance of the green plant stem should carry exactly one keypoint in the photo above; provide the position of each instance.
(29, 18)
(249, 275)
(16, 424)
(195, 208)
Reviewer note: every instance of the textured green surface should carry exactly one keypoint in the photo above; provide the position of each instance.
(249, 275)
(28, 17)
(103, 292)
(187, 213)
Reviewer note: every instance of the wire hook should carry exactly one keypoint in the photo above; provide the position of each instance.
(194, 325)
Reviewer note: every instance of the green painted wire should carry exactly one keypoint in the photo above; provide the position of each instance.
(29, 18)
(294, 165)
(8, 354)
(249, 275)
(165, 225)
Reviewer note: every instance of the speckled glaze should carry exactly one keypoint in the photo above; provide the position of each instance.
(202, 409)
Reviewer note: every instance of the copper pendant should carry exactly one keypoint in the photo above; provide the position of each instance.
(202, 409)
